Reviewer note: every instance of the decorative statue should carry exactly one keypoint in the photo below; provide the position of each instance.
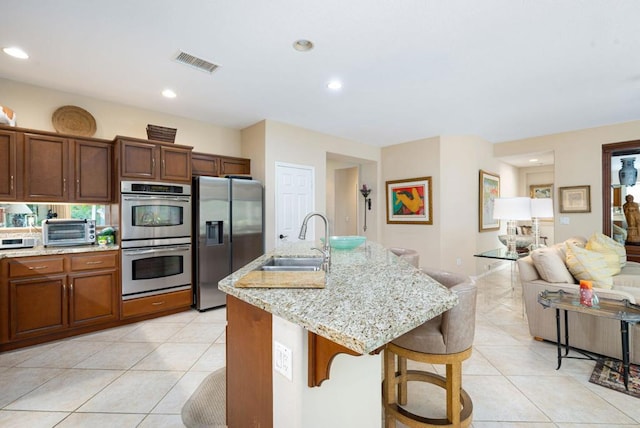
(632, 214)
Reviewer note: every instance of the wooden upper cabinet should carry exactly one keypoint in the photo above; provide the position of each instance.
(205, 164)
(213, 165)
(175, 164)
(8, 165)
(234, 166)
(93, 171)
(46, 168)
(154, 161)
(138, 160)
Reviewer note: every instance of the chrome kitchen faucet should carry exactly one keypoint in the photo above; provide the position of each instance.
(326, 249)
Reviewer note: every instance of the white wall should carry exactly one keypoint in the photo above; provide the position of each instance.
(414, 159)
(35, 105)
(281, 142)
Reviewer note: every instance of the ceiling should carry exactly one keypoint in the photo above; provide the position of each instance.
(411, 69)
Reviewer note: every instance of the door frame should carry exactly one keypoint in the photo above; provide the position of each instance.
(279, 165)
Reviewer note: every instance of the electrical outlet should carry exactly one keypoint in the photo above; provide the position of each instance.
(282, 360)
(564, 220)
(459, 261)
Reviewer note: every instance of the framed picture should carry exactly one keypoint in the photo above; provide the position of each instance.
(575, 199)
(540, 191)
(489, 190)
(409, 201)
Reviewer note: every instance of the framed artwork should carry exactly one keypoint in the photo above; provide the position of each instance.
(489, 190)
(409, 201)
(540, 191)
(575, 199)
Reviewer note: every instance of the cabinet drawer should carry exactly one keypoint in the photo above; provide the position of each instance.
(31, 267)
(93, 261)
(161, 302)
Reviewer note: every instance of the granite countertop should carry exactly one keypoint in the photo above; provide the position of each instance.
(371, 296)
(48, 251)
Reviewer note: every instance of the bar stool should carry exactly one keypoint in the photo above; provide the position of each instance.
(407, 254)
(446, 339)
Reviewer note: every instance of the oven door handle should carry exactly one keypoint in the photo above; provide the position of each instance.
(156, 198)
(157, 250)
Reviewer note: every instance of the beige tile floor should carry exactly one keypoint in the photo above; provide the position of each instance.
(140, 375)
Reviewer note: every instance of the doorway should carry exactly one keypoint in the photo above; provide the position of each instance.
(346, 201)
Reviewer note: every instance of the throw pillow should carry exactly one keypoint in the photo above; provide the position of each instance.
(549, 262)
(575, 240)
(603, 244)
(589, 265)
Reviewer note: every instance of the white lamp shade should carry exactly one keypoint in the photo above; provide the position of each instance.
(542, 208)
(512, 209)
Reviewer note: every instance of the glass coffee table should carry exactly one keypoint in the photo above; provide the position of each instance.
(622, 310)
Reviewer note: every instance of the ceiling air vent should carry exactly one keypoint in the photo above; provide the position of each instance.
(195, 62)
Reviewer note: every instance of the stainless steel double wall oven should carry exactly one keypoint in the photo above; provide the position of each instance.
(155, 238)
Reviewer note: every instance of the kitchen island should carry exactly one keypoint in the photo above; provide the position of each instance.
(370, 298)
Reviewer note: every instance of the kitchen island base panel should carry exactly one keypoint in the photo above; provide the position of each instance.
(257, 395)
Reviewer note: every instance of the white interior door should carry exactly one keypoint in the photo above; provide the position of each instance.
(294, 199)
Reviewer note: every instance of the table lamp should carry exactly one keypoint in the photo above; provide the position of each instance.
(512, 210)
(540, 208)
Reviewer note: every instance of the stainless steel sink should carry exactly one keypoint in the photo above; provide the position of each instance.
(292, 264)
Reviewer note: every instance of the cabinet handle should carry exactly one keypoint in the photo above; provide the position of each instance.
(37, 267)
(164, 168)
(64, 185)
(78, 186)
(95, 263)
(11, 185)
(157, 303)
(153, 166)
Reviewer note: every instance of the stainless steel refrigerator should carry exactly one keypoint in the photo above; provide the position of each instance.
(228, 233)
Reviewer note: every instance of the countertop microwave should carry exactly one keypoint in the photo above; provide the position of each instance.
(62, 232)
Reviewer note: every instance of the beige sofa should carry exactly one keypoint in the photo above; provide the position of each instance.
(594, 334)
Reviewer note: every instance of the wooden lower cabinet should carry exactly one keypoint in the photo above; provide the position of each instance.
(161, 302)
(44, 298)
(49, 297)
(92, 298)
(37, 306)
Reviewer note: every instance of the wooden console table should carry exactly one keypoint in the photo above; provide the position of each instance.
(622, 310)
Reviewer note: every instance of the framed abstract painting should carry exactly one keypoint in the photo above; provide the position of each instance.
(489, 190)
(409, 201)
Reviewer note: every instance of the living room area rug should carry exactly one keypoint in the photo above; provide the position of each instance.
(608, 373)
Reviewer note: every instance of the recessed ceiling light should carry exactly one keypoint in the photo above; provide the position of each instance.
(168, 93)
(15, 52)
(533, 160)
(303, 45)
(334, 85)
